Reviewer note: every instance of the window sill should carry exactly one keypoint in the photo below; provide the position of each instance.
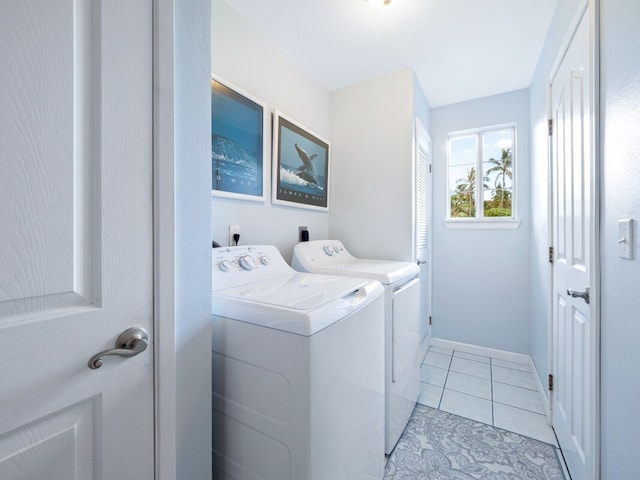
(507, 224)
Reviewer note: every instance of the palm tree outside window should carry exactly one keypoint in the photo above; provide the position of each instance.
(480, 171)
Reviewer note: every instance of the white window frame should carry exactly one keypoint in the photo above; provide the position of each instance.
(479, 221)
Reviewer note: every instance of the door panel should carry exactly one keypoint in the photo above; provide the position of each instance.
(38, 186)
(76, 237)
(65, 448)
(571, 190)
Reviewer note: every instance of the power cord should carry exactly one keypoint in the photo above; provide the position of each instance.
(236, 238)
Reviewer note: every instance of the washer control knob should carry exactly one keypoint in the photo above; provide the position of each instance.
(224, 265)
(265, 260)
(328, 249)
(247, 262)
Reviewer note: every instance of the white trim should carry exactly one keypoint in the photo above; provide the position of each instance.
(596, 178)
(484, 351)
(550, 244)
(266, 154)
(164, 242)
(489, 222)
(479, 224)
(581, 9)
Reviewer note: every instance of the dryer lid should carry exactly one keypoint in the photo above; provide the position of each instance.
(331, 257)
(384, 271)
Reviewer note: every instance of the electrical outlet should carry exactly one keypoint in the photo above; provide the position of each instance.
(233, 229)
(303, 234)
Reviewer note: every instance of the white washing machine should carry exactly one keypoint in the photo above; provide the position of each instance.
(402, 321)
(298, 371)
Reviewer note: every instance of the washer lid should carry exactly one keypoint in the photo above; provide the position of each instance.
(300, 303)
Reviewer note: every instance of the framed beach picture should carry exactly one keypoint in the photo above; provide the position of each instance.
(238, 148)
(300, 166)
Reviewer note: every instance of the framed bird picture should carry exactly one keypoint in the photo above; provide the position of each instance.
(239, 152)
(300, 166)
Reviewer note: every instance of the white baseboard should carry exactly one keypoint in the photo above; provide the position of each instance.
(477, 350)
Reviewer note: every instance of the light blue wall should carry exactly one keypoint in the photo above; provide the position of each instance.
(620, 354)
(481, 277)
(192, 240)
(421, 107)
(540, 284)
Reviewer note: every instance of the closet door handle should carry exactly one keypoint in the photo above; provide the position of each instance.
(130, 343)
(575, 294)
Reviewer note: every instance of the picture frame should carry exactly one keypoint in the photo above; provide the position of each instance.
(301, 161)
(239, 151)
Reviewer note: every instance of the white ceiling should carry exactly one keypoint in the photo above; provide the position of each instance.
(459, 49)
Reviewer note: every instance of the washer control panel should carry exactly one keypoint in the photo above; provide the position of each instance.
(228, 259)
(320, 253)
(247, 262)
(241, 264)
(333, 249)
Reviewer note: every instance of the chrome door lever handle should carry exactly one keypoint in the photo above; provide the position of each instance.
(130, 343)
(584, 295)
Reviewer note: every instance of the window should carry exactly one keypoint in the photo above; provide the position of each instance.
(481, 161)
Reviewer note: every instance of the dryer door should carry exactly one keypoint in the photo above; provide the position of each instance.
(405, 328)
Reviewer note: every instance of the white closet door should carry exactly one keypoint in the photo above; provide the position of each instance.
(573, 331)
(75, 238)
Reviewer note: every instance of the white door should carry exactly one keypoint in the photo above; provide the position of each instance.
(75, 238)
(422, 233)
(573, 332)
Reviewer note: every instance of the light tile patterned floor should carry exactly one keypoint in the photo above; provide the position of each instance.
(489, 390)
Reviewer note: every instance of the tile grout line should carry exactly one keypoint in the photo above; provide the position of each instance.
(517, 386)
(515, 407)
(444, 385)
(492, 399)
(474, 395)
(473, 359)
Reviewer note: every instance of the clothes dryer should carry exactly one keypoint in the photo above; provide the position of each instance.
(298, 371)
(402, 321)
